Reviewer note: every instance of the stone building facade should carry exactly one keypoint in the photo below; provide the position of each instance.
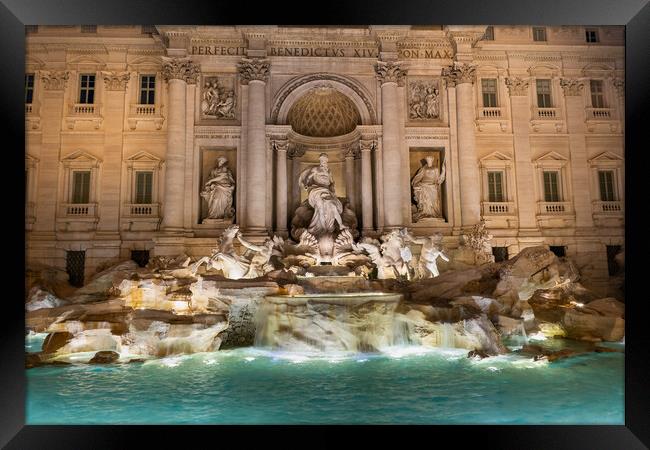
(125, 123)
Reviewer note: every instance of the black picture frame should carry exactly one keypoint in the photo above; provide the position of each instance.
(634, 14)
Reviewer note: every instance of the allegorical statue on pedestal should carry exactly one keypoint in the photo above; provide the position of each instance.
(426, 190)
(218, 191)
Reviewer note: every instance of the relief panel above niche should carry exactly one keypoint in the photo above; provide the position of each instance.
(424, 100)
(218, 98)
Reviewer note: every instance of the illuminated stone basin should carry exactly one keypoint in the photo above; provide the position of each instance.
(330, 322)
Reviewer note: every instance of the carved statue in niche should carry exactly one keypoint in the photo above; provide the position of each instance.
(426, 185)
(217, 100)
(320, 219)
(424, 101)
(218, 191)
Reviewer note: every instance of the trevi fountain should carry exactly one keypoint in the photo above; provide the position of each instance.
(326, 326)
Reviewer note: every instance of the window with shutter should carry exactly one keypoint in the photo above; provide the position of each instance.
(606, 181)
(147, 89)
(81, 187)
(544, 93)
(489, 88)
(143, 187)
(551, 187)
(495, 186)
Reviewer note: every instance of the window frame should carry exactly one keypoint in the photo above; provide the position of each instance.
(602, 95)
(542, 30)
(30, 89)
(140, 198)
(149, 90)
(613, 190)
(79, 161)
(595, 33)
(502, 186)
(87, 89)
(495, 93)
(558, 186)
(72, 199)
(549, 162)
(550, 92)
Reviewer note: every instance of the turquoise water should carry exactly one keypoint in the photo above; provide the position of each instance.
(407, 385)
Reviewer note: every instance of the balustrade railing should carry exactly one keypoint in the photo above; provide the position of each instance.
(608, 207)
(599, 113)
(492, 112)
(554, 207)
(140, 210)
(546, 113)
(492, 208)
(78, 209)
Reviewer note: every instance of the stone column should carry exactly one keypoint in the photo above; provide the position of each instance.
(463, 76)
(114, 86)
(281, 187)
(177, 72)
(52, 103)
(350, 154)
(575, 111)
(366, 186)
(524, 171)
(294, 153)
(255, 73)
(391, 75)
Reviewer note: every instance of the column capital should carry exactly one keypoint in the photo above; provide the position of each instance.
(351, 151)
(116, 81)
(390, 72)
(619, 85)
(366, 145)
(517, 86)
(280, 145)
(53, 80)
(571, 86)
(459, 73)
(254, 70)
(295, 150)
(180, 69)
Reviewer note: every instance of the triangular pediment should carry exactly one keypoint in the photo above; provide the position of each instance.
(496, 156)
(605, 157)
(551, 156)
(80, 157)
(143, 156)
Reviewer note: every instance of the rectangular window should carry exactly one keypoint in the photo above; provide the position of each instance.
(489, 88)
(75, 265)
(612, 265)
(559, 250)
(495, 186)
(89, 28)
(489, 33)
(544, 93)
(87, 88)
(500, 253)
(591, 35)
(606, 181)
(80, 187)
(147, 89)
(539, 34)
(29, 88)
(597, 94)
(551, 187)
(143, 187)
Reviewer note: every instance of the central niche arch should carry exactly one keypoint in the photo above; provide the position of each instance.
(295, 89)
(323, 112)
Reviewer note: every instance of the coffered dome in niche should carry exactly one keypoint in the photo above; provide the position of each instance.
(323, 112)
